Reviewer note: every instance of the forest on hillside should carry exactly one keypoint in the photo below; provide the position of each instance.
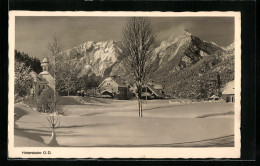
(33, 63)
(202, 80)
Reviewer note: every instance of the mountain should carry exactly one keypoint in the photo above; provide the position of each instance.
(189, 66)
(94, 57)
(184, 64)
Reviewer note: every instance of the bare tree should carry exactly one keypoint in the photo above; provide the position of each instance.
(55, 48)
(67, 76)
(54, 123)
(137, 46)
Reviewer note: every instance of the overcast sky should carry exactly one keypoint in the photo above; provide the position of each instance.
(32, 34)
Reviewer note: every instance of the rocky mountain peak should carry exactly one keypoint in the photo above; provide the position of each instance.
(94, 57)
(182, 35)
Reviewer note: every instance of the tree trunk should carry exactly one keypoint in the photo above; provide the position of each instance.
(68, 92)
(141, 109)
(138, 107)
(139, 93)
(146, 94)
(53, 141)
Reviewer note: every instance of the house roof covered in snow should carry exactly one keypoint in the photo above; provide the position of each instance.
(120, 82)
(146, 94)
(214, 97)
(49, 78)
(229, 88)
(155, 91)
(37, 78)
(157, 86)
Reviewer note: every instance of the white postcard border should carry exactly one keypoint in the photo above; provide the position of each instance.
(122, 152)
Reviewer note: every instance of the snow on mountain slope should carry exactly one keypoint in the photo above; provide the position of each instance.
(172, 44)
(182, 41)
(177, 63)
(86, 70)
(229, 47)
(97, 56)
(175, 54)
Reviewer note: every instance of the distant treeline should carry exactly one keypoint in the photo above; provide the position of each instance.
(33, 63)
(85, 83)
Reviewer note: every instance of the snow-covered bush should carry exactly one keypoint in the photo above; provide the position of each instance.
(46, 101)
(23, 80)
(91, 92)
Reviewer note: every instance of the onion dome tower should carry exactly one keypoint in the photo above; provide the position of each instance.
(45, 73)
(45, 65)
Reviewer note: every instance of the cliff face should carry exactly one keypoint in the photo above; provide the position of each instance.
(94, 57)
(184, 64)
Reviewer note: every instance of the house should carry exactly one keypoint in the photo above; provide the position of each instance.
(153, 91)
(43, 80)
(158, 87)
(228, 93)
(39, 84)
(114, 86)
(150, 91)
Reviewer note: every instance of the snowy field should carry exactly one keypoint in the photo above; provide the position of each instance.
(105, 123)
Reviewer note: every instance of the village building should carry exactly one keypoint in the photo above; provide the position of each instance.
(43, 80)
(114, 86)
(39, 84)
(228, 93)
(153, 91)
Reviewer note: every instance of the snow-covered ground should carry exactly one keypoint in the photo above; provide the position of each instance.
(106, 122)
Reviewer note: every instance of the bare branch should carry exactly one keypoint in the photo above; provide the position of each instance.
(54, 123)
(138, 45)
